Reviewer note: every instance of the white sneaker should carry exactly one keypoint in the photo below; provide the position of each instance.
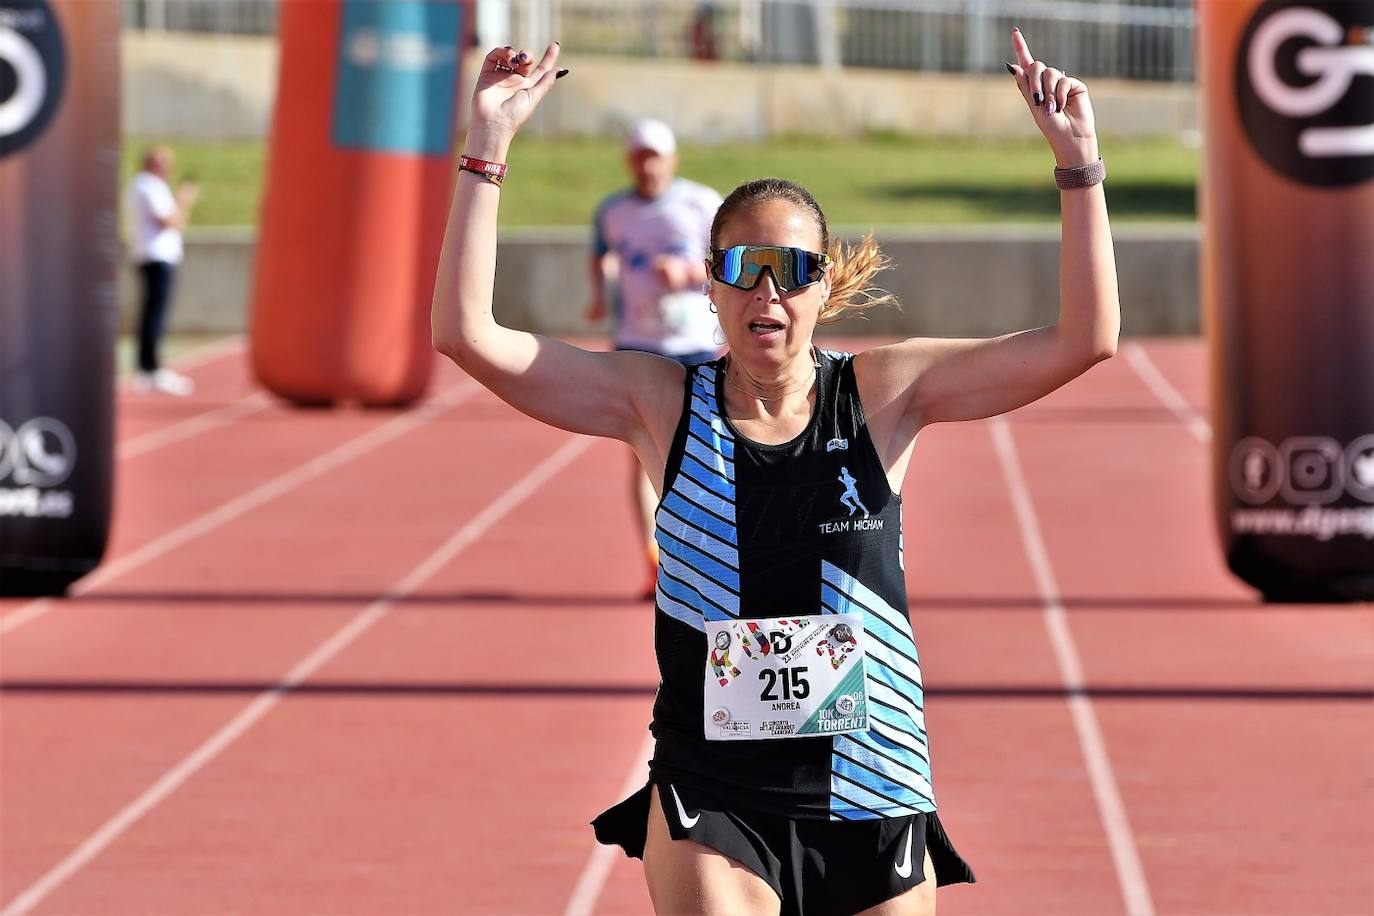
(173, 383)
(165, 381)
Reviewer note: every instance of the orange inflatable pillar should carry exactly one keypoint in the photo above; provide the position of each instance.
(357, 193)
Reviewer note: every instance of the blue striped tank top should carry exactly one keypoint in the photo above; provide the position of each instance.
(810, 526)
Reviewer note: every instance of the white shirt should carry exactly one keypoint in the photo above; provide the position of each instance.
(149, 201)
(636, 230)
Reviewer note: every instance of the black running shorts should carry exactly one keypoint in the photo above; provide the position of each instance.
(814, 866)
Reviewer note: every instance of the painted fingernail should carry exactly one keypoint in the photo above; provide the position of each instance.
(561, 73)
(1011, 69)
(1050, 107)
(1038, 98)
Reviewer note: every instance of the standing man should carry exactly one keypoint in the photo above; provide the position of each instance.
(158, 220)
(649, 247)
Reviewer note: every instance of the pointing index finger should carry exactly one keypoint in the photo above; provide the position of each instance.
(1018, 44)
(546, 63)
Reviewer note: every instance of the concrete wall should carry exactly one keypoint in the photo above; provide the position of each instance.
(224, 87)
(197, 87)
(213, 285)
(951, 281)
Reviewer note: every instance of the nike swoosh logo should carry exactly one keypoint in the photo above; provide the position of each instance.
(692, 822)
(903, 869)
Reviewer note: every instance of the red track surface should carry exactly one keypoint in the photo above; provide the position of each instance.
(448, 756)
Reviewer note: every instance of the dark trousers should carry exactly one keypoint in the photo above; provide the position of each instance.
(157, 293)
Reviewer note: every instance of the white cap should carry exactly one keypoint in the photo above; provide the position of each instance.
(650, 134)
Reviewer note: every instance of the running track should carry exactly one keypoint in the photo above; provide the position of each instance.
(391, 663)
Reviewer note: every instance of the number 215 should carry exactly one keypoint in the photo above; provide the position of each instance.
(793, 681)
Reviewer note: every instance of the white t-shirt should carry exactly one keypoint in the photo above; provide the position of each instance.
(636, 230)
(149, 199)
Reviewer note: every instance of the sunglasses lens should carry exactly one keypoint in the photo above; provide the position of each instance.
(730, 267)
(742, 265)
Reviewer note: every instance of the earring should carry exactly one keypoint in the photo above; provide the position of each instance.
(712, 306)
(718, 333)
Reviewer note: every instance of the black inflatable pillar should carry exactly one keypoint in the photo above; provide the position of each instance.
(1288, 285)
(59, 174)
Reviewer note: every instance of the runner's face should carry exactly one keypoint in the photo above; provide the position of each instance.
(766, 326)
(652, 172)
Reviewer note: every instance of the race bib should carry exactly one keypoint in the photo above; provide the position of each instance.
(785, 677)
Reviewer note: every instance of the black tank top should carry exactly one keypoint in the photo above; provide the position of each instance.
(807, 527)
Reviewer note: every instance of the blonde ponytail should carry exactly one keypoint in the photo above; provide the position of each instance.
(851, 274)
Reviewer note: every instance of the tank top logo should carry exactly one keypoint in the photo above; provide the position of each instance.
(858, 518)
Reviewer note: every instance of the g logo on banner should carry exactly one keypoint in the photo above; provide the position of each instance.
(33, 64)
(1305, 89)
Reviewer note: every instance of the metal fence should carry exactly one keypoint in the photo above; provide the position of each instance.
(1128, 39)
(226, 17)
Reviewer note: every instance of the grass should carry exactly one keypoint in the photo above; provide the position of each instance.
(883, 180)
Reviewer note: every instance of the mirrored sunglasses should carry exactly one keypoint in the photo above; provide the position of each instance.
(792, 268)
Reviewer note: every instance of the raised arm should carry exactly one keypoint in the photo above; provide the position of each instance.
(928, 380)
(627, 396)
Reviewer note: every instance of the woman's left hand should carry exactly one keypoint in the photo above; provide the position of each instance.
(1060, 105)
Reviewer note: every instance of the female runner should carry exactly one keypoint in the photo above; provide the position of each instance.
(791, 771)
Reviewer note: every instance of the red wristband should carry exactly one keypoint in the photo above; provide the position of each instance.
(495, 172)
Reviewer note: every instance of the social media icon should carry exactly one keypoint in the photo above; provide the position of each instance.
(1315, 467)
(1359, 462)
(1255, 470)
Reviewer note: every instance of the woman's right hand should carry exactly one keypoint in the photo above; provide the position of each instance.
(509, 88)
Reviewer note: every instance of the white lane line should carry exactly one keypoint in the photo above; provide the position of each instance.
(191, 426)
(254, 498)
(201, 422)
(170, 781)
(1130, 874)
(593, 878)
(1149, 373)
